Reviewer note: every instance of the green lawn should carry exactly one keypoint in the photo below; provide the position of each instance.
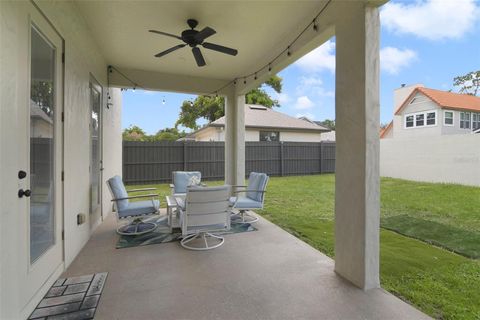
(441, 283)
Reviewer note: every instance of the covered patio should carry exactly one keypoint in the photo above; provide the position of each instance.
(266, 274)
(256, 275)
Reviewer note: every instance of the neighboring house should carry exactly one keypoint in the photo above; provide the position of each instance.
(421, 111)
(325, 136)
(264, 124)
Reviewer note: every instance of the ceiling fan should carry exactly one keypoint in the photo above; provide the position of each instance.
(194, 38)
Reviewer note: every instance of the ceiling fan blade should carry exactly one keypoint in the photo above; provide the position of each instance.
(220, 48)
(161, 54)
(198, 56)
(166, 34)
(204, 34)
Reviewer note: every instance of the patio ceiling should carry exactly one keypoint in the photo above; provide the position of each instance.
(256, 29)
(260, 30)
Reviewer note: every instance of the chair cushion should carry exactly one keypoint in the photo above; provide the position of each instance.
(256, 181)
(119, 191)
(245, 203)
(184, 179)
(139, 208)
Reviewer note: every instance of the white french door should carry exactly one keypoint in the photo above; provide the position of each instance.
(42, 192)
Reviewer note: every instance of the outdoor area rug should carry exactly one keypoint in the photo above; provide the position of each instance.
(74, 298)
(162, 233)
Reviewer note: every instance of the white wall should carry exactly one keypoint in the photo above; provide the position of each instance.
(217, 134)
(82, 59)
(448, 158)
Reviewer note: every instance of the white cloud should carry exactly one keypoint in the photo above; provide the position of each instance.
(308, 115)
(282, 98)
(393, 59)
(303, 103)
(322, 58)
(431, 19)
(312, 86)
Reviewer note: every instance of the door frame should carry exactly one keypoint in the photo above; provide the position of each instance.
(95, 83)
(29, 298)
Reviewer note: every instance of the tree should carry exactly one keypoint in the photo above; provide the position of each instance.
(212, 108)
(468, 83)
(328, 123)
(168, 134)
(134, 133)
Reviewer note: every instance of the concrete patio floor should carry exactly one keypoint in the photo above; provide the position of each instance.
(267, 274)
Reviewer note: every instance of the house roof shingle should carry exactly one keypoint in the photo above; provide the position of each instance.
(257, 116)
(445, 99)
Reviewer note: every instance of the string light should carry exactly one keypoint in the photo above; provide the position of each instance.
(244, 81)
(163, 100)
(191, 103)
(312, 24)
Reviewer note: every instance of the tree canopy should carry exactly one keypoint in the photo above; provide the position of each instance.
(212, 108)
(135, 133)
(468, 83)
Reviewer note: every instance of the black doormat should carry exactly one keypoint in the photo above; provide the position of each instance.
(74, 298)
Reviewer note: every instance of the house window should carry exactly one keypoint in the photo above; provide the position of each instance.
(431, 118)
(448, 118)
(475, 121)
(420, 120)
(465, 120)
(269, 136)
(409, 121)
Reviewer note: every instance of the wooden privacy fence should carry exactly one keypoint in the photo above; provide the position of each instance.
(153, 162)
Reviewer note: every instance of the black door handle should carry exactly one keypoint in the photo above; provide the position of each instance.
(25, 193)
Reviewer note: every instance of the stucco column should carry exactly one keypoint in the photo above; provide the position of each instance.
(235, 139)
(357, 191)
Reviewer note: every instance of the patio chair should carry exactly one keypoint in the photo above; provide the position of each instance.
(183, 179)
(253, 198)
(205, 211)
(132, 212)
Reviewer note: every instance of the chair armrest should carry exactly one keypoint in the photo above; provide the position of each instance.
(139, 196)
(240, 191)
(145, 189)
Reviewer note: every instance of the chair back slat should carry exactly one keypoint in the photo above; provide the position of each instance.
(207, 206)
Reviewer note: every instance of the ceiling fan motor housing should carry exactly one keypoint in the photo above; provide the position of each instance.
(188, 36)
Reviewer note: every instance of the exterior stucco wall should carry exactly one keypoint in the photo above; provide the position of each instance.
(82, 60)
(218, 134)
(445, 159)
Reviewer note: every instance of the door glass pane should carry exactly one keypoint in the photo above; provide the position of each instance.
(42, 111)
(95, 101)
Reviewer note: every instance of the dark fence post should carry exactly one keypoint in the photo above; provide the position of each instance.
(321, 157)
(282, 162)
(184, 155)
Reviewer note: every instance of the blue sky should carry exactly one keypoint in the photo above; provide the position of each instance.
(428, 42)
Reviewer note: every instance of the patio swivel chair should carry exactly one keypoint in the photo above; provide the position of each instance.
(204, 212)
(183, 179)
(249, 197)
(132, 212)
